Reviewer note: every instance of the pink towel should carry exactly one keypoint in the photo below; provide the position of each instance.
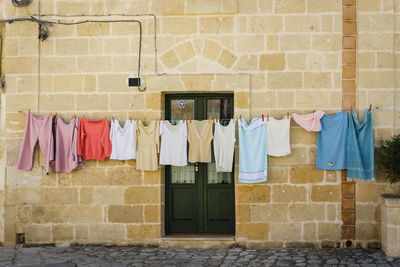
(310, 122)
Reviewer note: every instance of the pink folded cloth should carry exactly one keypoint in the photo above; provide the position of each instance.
(310, 122)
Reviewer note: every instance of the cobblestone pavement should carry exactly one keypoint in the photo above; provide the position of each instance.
(139, 256)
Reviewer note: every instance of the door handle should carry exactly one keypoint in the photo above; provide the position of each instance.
(196, 167)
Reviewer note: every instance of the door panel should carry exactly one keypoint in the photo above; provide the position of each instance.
(198, 199)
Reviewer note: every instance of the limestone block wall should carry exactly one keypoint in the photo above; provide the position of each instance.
(274, 55)
(378, 84)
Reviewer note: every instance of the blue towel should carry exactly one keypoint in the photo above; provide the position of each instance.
(332, 141)
(252, 151)
(360, 149)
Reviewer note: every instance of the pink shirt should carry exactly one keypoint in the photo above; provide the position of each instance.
(66, 139)
(310, 122)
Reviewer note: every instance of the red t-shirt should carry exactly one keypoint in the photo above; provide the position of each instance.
(94, 139)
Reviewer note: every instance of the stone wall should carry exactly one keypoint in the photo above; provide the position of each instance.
(378, 60)
(274, 55)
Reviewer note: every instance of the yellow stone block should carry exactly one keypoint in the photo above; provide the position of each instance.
(37, 234)
(85, 214)
(327, 42)
(179, 25)
(29, 196)
(375, 41)
(62, 233)
(94, 64)
(295, 42)
(152, 178)
(227, 82)
(168, 7)
(89, 176)
(226, 59)
(20, 65)
(108, 195)
(242, 100)
(285, 99)
(369, 192)
(49, 214)
(211, 49)
(302, 24)
(93, 29)
(309, 232)
(229, 6)
(57, 102)
(142, 195)
(127, 102)
(369, 5)
(252, 43)
(269, 213)
(253, 194)
(306, 212)
(29, 47)
(385, 60)
(91, 102)
(290, 6)
(288, 193)
(144, 231)
(258, 81)
(316, 6)
(123, 176)
(185, 51)
(70, 83)
(216, 24)
(170, 59)
(21, 29)
(203, 6)
(305, 174)
(152, 214)
(106, 232)
(72, 7)
(285, 231)
(330, 231)
(243, 213)
(72, 46)
(125, 214)
(272, 42)
(366, 60)
(265, 24)
(285, 80)
(113, 83)
(253, 231)
(272, 62)
(317, 80)
(86, 195)
(24, 214)
(81, 232)
(375, 79)
(61, 196)
(197, 82)
(325, 193)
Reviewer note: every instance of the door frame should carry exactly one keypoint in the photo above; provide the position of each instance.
(167, 107)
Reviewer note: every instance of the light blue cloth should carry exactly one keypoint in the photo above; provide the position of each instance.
(332, 142)
(252, 151)
(360, 149)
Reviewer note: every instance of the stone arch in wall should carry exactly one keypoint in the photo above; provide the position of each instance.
(198, 55)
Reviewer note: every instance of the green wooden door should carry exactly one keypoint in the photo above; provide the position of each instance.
(198, 199)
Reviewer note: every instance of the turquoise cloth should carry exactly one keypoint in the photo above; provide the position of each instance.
(332, 142)
(360, 148)
(252, 151)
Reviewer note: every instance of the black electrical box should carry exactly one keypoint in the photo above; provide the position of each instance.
(134, 81)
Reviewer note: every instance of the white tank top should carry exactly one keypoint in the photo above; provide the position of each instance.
(173, 149)
(122, 140)
(224, 146)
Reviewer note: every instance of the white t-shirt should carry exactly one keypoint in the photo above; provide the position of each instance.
(173, 150)
(224, 146)
(122, 140)
(278, 137)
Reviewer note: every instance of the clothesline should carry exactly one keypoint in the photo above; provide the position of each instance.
(174, 120)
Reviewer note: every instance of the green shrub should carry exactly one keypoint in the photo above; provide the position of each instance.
(388, 158)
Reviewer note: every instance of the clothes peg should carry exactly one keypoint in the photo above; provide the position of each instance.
(210, 118)
(216, 118)
(184, 119)
(190, 118)
(370, 107)
(262, 116)
(29, 111)
(162, 117)
(240, 116)
(288, 115)
(313, 111)
(351, 110)
(74, 116)
(130, 118)
(267, 116)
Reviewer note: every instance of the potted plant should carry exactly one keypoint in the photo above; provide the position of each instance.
(388, 160)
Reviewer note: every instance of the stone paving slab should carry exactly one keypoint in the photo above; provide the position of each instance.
(143, 256)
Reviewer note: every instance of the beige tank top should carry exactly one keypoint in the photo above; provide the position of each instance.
(147, 146)
(200, 137)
